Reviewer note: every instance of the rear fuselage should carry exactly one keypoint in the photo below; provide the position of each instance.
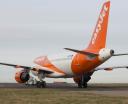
(69, 65)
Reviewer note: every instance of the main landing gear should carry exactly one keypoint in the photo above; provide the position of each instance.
(35, 83)
(82, 85)
(41, 84)
(83, 80)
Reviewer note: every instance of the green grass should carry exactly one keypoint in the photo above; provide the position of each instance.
(55, 96)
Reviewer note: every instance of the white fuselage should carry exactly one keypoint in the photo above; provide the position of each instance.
(63, 62)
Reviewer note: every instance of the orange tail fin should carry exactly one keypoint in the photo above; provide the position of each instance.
(98, 40)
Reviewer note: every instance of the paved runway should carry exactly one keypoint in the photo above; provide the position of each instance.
(104, 89)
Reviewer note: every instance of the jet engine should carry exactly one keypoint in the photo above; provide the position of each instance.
(22, 76)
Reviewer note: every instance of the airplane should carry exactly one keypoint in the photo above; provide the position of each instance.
(80, 65)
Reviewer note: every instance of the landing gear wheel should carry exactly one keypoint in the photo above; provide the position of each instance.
(38, 85)
(85, 85)
(41, 84)
(79, 85)
(83, 82)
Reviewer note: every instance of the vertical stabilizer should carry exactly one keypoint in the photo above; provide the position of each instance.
(98, 40)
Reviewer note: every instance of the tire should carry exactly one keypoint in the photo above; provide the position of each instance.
(41, 84)
(79, 85)
(38, 84)
(85, 85)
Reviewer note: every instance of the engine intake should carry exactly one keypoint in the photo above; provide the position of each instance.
(22, 76)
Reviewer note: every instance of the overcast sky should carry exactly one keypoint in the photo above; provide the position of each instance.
(31, 28)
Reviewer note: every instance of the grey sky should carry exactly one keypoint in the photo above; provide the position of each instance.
(30, 28)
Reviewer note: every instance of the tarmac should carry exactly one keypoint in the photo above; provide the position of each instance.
(103, 89)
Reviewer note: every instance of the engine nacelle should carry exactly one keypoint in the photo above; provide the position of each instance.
(22, 76)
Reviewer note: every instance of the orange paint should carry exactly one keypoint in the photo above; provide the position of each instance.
(81, 63)
(18, 77)
(98, 40)
(44, 61)
(108, 69)
(77, 79)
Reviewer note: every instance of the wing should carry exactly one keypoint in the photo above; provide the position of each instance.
(45, 70)
(111, 68)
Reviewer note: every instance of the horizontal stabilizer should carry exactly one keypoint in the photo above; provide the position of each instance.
(111, 68)
(82, 52)
(120, 54)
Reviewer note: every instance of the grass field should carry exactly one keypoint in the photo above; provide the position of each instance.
(55, 96)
